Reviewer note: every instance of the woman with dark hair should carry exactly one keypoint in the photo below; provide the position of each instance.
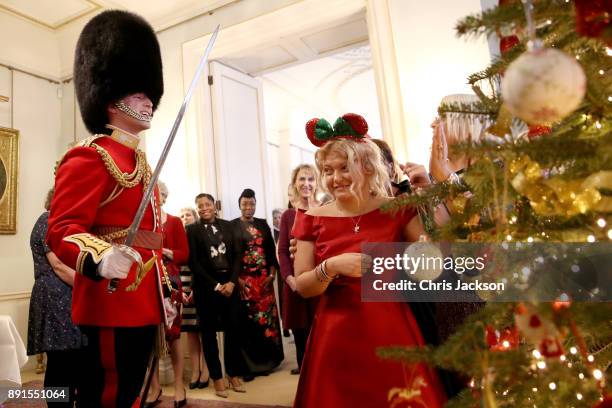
(215, 263)
(50, 327)
(262, 344)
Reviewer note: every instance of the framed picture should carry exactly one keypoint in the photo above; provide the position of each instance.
(9, 165)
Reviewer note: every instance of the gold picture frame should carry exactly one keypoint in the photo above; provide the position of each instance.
(9, 166)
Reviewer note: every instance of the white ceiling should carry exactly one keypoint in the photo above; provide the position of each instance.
(284, 51)
(59, 13)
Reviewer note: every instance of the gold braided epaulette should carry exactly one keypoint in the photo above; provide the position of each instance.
(87, 142)
(141, 172)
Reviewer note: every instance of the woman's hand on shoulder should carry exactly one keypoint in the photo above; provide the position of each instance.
(322, 210)
(351, 264)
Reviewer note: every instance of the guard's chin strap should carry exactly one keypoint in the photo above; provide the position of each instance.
(132, 113)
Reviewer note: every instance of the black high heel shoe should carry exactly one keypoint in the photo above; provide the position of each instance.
(203, 384)
(195, 384)
(157, 401)
(181, 403)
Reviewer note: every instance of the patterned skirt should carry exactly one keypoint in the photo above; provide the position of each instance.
(190, 317)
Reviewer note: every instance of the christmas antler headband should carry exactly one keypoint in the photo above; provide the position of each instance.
(348, 126)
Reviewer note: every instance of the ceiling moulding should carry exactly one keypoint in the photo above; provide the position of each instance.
(301, 18)
(188, 13)
(261, 59)
(90, 6)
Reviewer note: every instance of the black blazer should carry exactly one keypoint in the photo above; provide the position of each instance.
(199, 254)
(268, 240)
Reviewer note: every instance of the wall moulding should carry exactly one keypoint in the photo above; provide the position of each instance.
(7, 297)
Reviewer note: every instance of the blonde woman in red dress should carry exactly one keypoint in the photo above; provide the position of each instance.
(341, 368)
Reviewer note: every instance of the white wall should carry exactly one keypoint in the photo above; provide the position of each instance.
(37, 113)
(432, 62)
(28, 46)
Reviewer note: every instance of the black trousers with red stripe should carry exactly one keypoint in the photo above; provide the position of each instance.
(113, 366)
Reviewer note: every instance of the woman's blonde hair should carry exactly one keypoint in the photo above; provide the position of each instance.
(364, 163)
(313, 170)
(462, 127)
(193, 212)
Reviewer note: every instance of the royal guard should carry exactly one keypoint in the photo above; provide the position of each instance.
(99, 185)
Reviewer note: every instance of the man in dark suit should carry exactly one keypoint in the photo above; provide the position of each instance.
(215, 263)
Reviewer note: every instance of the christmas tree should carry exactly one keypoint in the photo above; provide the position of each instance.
(552, 183)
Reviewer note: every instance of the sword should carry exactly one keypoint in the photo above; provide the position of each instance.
(112, 285)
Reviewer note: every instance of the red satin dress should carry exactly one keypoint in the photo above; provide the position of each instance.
(340, 368)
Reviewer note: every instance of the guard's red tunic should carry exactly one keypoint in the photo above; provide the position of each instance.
(82, 184)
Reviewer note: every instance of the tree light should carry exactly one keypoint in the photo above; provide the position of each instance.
(601, 72)
(536, 354)
(591, 358)
(541, 365)
(601, 223)
(591, 238)
(597, 374)
(581, 376)
(579, 397)
(552, 386)
(610, 233)
(562, 357)
(573, 350)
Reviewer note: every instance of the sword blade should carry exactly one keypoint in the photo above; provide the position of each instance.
(112, 286)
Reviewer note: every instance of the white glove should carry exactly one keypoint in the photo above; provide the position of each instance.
(117, 262)
(171, 311)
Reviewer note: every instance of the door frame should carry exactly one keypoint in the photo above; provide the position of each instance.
(223, 149)
(300, 18)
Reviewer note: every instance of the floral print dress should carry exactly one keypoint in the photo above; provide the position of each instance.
(264, 350)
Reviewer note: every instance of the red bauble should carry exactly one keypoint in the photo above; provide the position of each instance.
(538, 130)
(357, 122)
(506, 340)
(507, 43)
(593, 19)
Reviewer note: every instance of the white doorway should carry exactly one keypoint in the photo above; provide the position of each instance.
(327, 87)
(278, 48)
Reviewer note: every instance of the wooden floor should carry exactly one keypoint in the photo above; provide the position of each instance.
(276, 389)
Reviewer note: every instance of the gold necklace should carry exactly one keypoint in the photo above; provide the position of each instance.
(356, 224)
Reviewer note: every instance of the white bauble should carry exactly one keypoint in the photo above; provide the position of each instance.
(430, 261)
(543, 86)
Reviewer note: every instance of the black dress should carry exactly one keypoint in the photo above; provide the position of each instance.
(50, 325)
(262, 344)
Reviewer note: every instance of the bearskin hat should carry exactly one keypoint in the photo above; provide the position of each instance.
(117, 54)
